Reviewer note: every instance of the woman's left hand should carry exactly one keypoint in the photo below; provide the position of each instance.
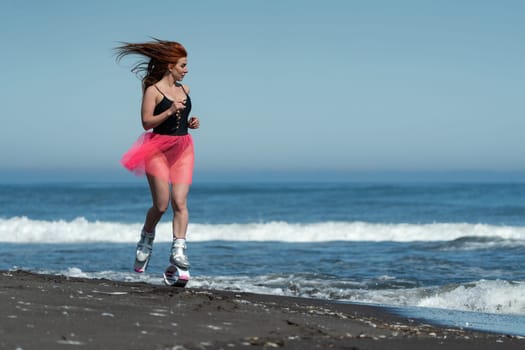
(193, 123)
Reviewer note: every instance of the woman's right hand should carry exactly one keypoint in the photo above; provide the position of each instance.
(177, 106)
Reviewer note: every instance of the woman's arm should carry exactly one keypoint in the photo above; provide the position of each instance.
(193, 122)
(151, 98)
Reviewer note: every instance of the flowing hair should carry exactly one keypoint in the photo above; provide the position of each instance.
(160, 54)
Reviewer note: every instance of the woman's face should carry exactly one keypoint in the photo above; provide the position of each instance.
(179, 69)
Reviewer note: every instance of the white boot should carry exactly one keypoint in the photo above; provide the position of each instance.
(145, 246)
(178, 257)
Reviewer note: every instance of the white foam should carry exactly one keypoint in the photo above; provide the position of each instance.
(110, 275)
(482, 296)
(485, 296)
(25, 230)
(498, 297)
(495, 296)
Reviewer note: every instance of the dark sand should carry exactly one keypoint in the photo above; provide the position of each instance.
(56, 312)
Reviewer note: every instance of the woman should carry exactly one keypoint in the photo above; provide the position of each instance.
(164, 154)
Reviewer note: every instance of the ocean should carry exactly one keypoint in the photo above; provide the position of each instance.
(449, 253)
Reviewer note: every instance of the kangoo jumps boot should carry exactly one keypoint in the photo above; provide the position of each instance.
(178, 257)
(145, 245)
(144, 250)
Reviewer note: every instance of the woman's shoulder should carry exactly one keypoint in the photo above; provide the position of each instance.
(186, 88)
(153, 93)
(152, 89)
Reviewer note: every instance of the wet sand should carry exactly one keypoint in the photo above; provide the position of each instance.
(57, 312)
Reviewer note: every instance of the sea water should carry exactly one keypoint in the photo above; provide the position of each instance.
(452, 253)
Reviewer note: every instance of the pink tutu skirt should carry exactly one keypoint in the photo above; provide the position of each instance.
(167, 157)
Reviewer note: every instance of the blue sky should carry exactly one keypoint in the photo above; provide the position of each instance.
(281, 87)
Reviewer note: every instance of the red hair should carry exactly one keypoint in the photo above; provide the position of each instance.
(161, 53)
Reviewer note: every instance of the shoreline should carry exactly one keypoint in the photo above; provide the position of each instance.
(55, 312)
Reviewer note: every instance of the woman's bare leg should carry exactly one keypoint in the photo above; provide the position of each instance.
(160, 194)
(179, 199)
(179, 195)
(160, 197)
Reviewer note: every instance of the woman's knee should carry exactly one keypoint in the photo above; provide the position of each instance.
(179, 197)
(161, 207)
(179, 204)
(160, 194)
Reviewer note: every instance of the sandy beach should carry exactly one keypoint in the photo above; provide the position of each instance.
(58, 312)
